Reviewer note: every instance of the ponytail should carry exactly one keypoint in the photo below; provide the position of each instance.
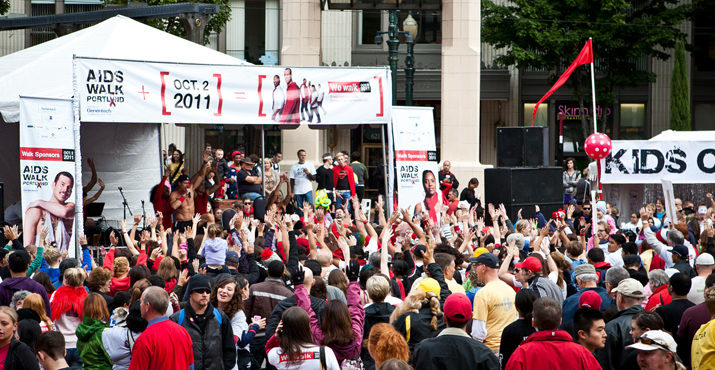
(433, 302)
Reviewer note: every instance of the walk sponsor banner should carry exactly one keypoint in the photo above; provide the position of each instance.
(47, 172)
(649, 162)
(416, 160)
(132, 91)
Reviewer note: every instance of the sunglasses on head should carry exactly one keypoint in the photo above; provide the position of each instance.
(651, 342)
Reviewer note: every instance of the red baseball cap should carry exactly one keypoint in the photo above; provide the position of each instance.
(590, 299)
(458, 308)
(338, 253)
(530, 263)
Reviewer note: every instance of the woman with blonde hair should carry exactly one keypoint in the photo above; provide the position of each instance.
(35, 302)
(385, 343)
(66, 308)
(89, 333)
(13, 353)
(167, 270)
(120, 276)
(418, 317)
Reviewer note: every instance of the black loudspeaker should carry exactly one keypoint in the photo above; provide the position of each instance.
(510, 147)
(259, 208)
(522, 146)
(536, 146)
(524, 188)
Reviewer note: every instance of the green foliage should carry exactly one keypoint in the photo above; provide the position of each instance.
(4, 6)
(548, 35)
(174, 26)
(679, 92)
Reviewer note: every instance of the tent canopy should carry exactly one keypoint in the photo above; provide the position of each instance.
(670, 135)
(45, 70)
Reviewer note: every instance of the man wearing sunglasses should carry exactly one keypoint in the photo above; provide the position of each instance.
(656, 350)
(210, 329)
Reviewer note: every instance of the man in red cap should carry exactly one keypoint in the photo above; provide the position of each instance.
(453, 342)
(550, 348)
(530, 276)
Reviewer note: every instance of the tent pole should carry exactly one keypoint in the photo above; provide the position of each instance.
(388, 207)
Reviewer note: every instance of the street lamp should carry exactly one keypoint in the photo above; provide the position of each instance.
(410, 26)
(393, 43)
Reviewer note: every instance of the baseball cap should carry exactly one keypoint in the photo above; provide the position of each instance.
(487, 259)
(584, 269)
(590, 299)
(457, 307)
(705, 259)
(681, 250)
(199, 282)
(530, 263)
(430, 285)
(478, 252)
(630, 288)
(231, 258)
(653, 340)
(235, 153)
(183, 178)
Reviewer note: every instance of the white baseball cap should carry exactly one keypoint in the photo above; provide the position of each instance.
(653, 340)
(705, 259)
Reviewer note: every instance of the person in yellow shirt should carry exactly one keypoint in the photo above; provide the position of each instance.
(702, 350)
(493, 304)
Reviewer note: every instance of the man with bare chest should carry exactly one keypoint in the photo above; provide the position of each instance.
(57, 213)
(182, 199)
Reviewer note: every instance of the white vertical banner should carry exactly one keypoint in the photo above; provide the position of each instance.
(669, 199)
(416, 161)
(47, 172)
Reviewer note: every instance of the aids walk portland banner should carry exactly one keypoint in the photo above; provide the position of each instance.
(649, 162)
(148, 92)
(416, 160)
(47, 168)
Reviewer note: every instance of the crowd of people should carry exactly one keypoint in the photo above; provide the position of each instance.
(309, 283)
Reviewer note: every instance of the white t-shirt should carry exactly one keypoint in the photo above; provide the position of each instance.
(311, 356)
(302, 184)
(697, 289)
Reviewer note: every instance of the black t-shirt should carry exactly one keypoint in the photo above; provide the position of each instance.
(324, 177)
(343, 182)
(672, 313)
(244, 186)
(512, 336)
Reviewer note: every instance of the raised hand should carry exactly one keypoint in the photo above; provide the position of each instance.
(123, 225)
(137, 219)
(101, 183)
(353, 270)
(82, 239)
(298, 276)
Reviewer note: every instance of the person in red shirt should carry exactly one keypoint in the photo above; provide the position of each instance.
(289, 113)
(452, 201)
(344, 181)
(152, 350)
(160, 200)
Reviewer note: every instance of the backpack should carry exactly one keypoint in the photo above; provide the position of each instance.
(217, 316)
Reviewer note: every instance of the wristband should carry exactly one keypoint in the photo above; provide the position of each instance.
(181, 199)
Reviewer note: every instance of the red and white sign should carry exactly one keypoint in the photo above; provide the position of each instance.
(146, 92)
(47, 172)
(416, 160)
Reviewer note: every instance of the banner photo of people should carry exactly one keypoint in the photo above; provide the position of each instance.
(127, 92)
(649, 162)
(416, 161)
(47, 168)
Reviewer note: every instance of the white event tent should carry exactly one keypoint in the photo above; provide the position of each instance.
(118, 150)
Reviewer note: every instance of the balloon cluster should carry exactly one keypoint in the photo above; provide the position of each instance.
(598, 146)
(558, 215)
(322, 199)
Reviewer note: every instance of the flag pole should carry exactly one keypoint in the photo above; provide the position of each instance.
(593, 90)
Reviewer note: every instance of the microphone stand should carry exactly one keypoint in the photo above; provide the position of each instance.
(143, 216)
(124, 202)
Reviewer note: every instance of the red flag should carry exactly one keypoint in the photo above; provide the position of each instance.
(584, 57)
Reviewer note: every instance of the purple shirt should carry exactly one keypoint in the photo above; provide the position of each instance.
(692, 319)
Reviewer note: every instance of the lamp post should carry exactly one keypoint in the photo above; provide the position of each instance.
(410, 26)
(393, 43)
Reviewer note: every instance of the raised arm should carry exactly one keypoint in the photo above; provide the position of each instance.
(97, 195)
(93, 179)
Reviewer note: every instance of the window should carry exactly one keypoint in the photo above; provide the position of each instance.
(429, 25)
(632, 125)
(542, 114)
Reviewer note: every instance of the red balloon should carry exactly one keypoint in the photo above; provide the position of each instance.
(598, 146)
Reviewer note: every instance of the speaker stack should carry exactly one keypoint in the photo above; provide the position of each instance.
(523, 177)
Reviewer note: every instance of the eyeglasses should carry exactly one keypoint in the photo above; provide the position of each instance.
(246, 203)
(586, 208)
(601, 230)
(652, 342)
(202, 291)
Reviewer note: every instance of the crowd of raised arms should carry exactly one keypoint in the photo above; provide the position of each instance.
(316, 281)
